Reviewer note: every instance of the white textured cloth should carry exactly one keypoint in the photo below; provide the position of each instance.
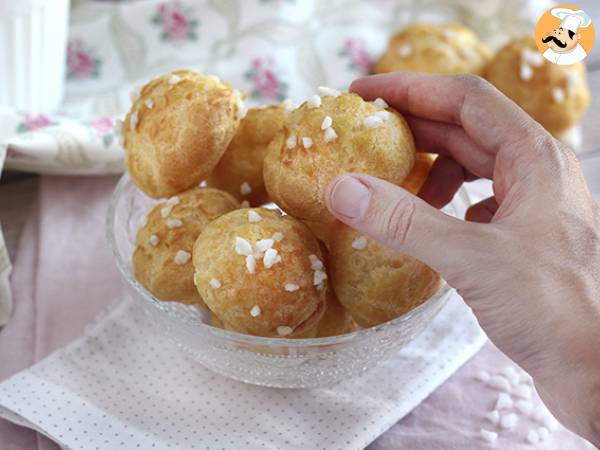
(122, 385)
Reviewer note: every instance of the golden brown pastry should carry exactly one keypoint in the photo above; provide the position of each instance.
(417, 176)
(329, 135)
(442, 48)
(373, 283)
(177, 129)
(554, 95)
(336, 320)
(215, 322)
(162, 256)
(261, 273)
(240, 170)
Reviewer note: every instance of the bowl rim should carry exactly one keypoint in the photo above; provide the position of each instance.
(442, 293)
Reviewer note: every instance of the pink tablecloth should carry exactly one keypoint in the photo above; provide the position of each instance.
(64, 276)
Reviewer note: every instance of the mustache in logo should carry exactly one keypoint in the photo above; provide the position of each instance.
(556, 41)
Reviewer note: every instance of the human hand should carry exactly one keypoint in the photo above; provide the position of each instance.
(527, 261)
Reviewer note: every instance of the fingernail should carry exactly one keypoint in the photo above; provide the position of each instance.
(349, 197)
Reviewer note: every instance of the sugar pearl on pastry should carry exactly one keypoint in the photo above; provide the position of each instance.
(133, 120)
(277, 236)
(242, 246)
(242, 109)
(383, 115)
(307, 142)
(214, 283)
(314, 101)
(290, 142)
(327, 92)
(372, 121)
(319, 277)
(315, 262)
(558, 95)
(149, 103)
(135, 93)
(174, 79)
(271, 258)
(154, 240)
(405, 50)
(255, 311)
(330, 135)
(573, 80)
(359, 243)
(245, 188)
(250, 263)
(253, 216)
(182, 257)
(172, 201)
(532, 57)
(264, 244)
(291, 287)
(174, 223)
(526, 72)
(327, 122)
(288, 105)
(381, 103)
(284, 331)
(169, 204)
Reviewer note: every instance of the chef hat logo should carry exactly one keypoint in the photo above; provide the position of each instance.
(565, 34)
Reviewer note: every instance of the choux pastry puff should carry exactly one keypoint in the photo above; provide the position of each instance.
(177, 129)
(443, 48)
(554, 95)
(240, 170)
(162, 256)
(260, 273)
(373, 283)
(336, 320)
(328, 135)
(419, 173)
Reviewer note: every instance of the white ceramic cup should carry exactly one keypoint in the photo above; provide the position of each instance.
(33, 40)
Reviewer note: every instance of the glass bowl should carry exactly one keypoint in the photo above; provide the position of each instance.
(273, 362)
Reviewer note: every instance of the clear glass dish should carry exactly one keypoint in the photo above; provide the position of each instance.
(282, 363)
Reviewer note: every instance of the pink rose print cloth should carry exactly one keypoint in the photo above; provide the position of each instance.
(175, 22)
(266, 83)
(359, 59)
(81, 61)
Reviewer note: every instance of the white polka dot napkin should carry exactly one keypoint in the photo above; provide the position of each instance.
(121, 385)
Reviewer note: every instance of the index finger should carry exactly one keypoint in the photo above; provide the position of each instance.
(489, 118)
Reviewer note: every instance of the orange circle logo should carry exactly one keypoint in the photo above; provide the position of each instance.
(565, 35)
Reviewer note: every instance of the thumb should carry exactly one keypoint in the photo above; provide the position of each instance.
(404, 222)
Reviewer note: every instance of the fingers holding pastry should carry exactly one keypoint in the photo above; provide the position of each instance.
(483, 211)
(326, 136)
